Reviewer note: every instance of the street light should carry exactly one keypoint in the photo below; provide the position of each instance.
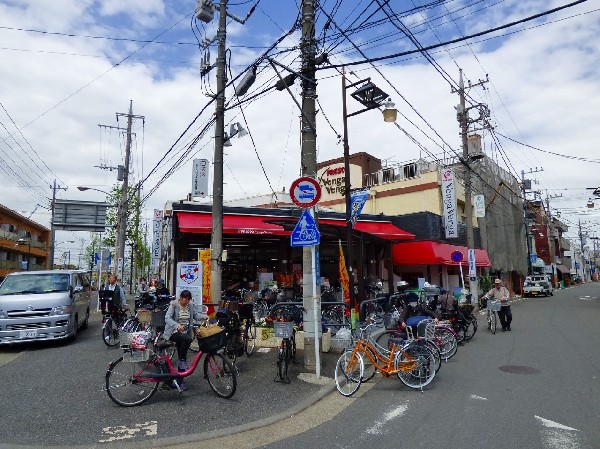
(371, 97)
(84, 188)
(23, 242)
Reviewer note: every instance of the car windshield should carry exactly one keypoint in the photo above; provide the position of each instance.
(34, 283)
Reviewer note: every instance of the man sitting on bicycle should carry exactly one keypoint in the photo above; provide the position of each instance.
(116, 298)
(414, 312)
(179, 327)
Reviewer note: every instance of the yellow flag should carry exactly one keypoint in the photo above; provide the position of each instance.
(344, 280)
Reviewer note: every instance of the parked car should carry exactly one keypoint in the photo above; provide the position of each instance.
(44, 305)
(537, 285)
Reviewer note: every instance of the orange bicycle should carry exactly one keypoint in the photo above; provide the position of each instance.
(412, 362)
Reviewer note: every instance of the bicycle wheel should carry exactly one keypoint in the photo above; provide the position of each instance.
(281, 368)
(220, 374)
(125, 384)
(436, 354)
(110, 333)
(250, 337)
(492, 319)
(383, 339)
(349, 371)
(424, 371)
(446, 342)
(470, 327)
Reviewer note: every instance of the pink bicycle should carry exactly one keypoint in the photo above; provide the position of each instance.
(134, 378)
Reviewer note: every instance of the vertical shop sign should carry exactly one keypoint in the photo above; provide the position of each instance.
(156, 237)
(449, 203)
(357, 202)
(344, 279)
(479, 201)
(200, 178)
(472, 264)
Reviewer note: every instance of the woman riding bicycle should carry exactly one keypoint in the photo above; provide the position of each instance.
(179, 325)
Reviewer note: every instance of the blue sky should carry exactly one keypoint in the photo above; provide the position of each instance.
(544, 90)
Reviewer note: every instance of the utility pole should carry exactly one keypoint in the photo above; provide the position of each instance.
(526, 185)
(54, 188)
(309, 168)
(553, 254)
(216, 239)
(122, 209)
(583, 277)
(463, 118)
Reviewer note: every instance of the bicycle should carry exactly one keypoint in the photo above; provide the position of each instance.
(116, 320)
(286, 316)
(413, 364)
(135, 377)
(492, 307)
(246, 313)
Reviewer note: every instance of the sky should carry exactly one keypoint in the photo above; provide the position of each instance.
(69, 66)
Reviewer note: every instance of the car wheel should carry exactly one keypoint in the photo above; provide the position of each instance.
(75, 328)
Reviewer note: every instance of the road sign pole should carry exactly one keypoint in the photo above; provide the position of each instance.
(316, 307)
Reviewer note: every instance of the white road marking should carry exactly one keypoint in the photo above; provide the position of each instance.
(552, 424)
(479, 398)
(588, 298)
(116, 433)
(558, 436)
(392, 414)
(263, 350)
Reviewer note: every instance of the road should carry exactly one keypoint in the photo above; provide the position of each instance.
(53, 395)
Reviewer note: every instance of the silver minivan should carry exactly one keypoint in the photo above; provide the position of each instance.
(44, 305)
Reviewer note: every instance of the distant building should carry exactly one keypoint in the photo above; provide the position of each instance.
(22, 242)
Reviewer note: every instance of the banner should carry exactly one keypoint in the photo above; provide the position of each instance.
(357, 202)
(449, 204)
(204, 257)
(344, 279)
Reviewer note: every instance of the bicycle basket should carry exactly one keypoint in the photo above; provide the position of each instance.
(283, 329)
(493, 306)
(212, 343)
(158, 319)
(136, 355)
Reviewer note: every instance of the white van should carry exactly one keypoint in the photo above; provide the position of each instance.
(44, 305)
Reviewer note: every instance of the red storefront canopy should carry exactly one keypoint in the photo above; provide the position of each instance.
(428, 252)
(383, 230)
(199, 223)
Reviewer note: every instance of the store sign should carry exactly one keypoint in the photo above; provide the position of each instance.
(479, 201)
(200, 178)
(449, 203)
(333, 180)
(357, 202)
(189, 277)
(156, 237)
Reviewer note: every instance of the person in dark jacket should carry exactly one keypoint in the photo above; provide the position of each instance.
(414, 309)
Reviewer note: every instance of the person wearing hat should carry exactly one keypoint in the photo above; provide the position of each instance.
(500, 293)
(414, 311)
(161, 290)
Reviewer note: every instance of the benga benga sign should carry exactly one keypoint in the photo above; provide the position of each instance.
(332, 180)
(449, 203)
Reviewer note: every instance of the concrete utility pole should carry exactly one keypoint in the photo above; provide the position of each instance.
(54, 188)
(216, 238)
(526, 185)
(309, 168)
(463, 118)
(583, 276)
(122, 209)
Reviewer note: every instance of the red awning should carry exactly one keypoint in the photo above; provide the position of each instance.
(434, 253)
(199, 223)
(381, 229)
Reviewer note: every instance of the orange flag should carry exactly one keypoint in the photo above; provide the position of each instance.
(344, 280)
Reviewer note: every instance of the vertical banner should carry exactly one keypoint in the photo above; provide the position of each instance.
(344, 279)
(479, 202)
(204, 257)
(200, 178)
(449, 203)
(472, 265)
(357, 202)
(156, 238)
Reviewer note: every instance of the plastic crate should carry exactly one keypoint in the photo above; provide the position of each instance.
(283, 329)
(493, 306)
(136, 355)
(158, 319)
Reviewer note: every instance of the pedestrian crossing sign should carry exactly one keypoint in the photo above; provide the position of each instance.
(305, 233)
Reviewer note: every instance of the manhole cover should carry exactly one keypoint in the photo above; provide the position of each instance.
(519, 369)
